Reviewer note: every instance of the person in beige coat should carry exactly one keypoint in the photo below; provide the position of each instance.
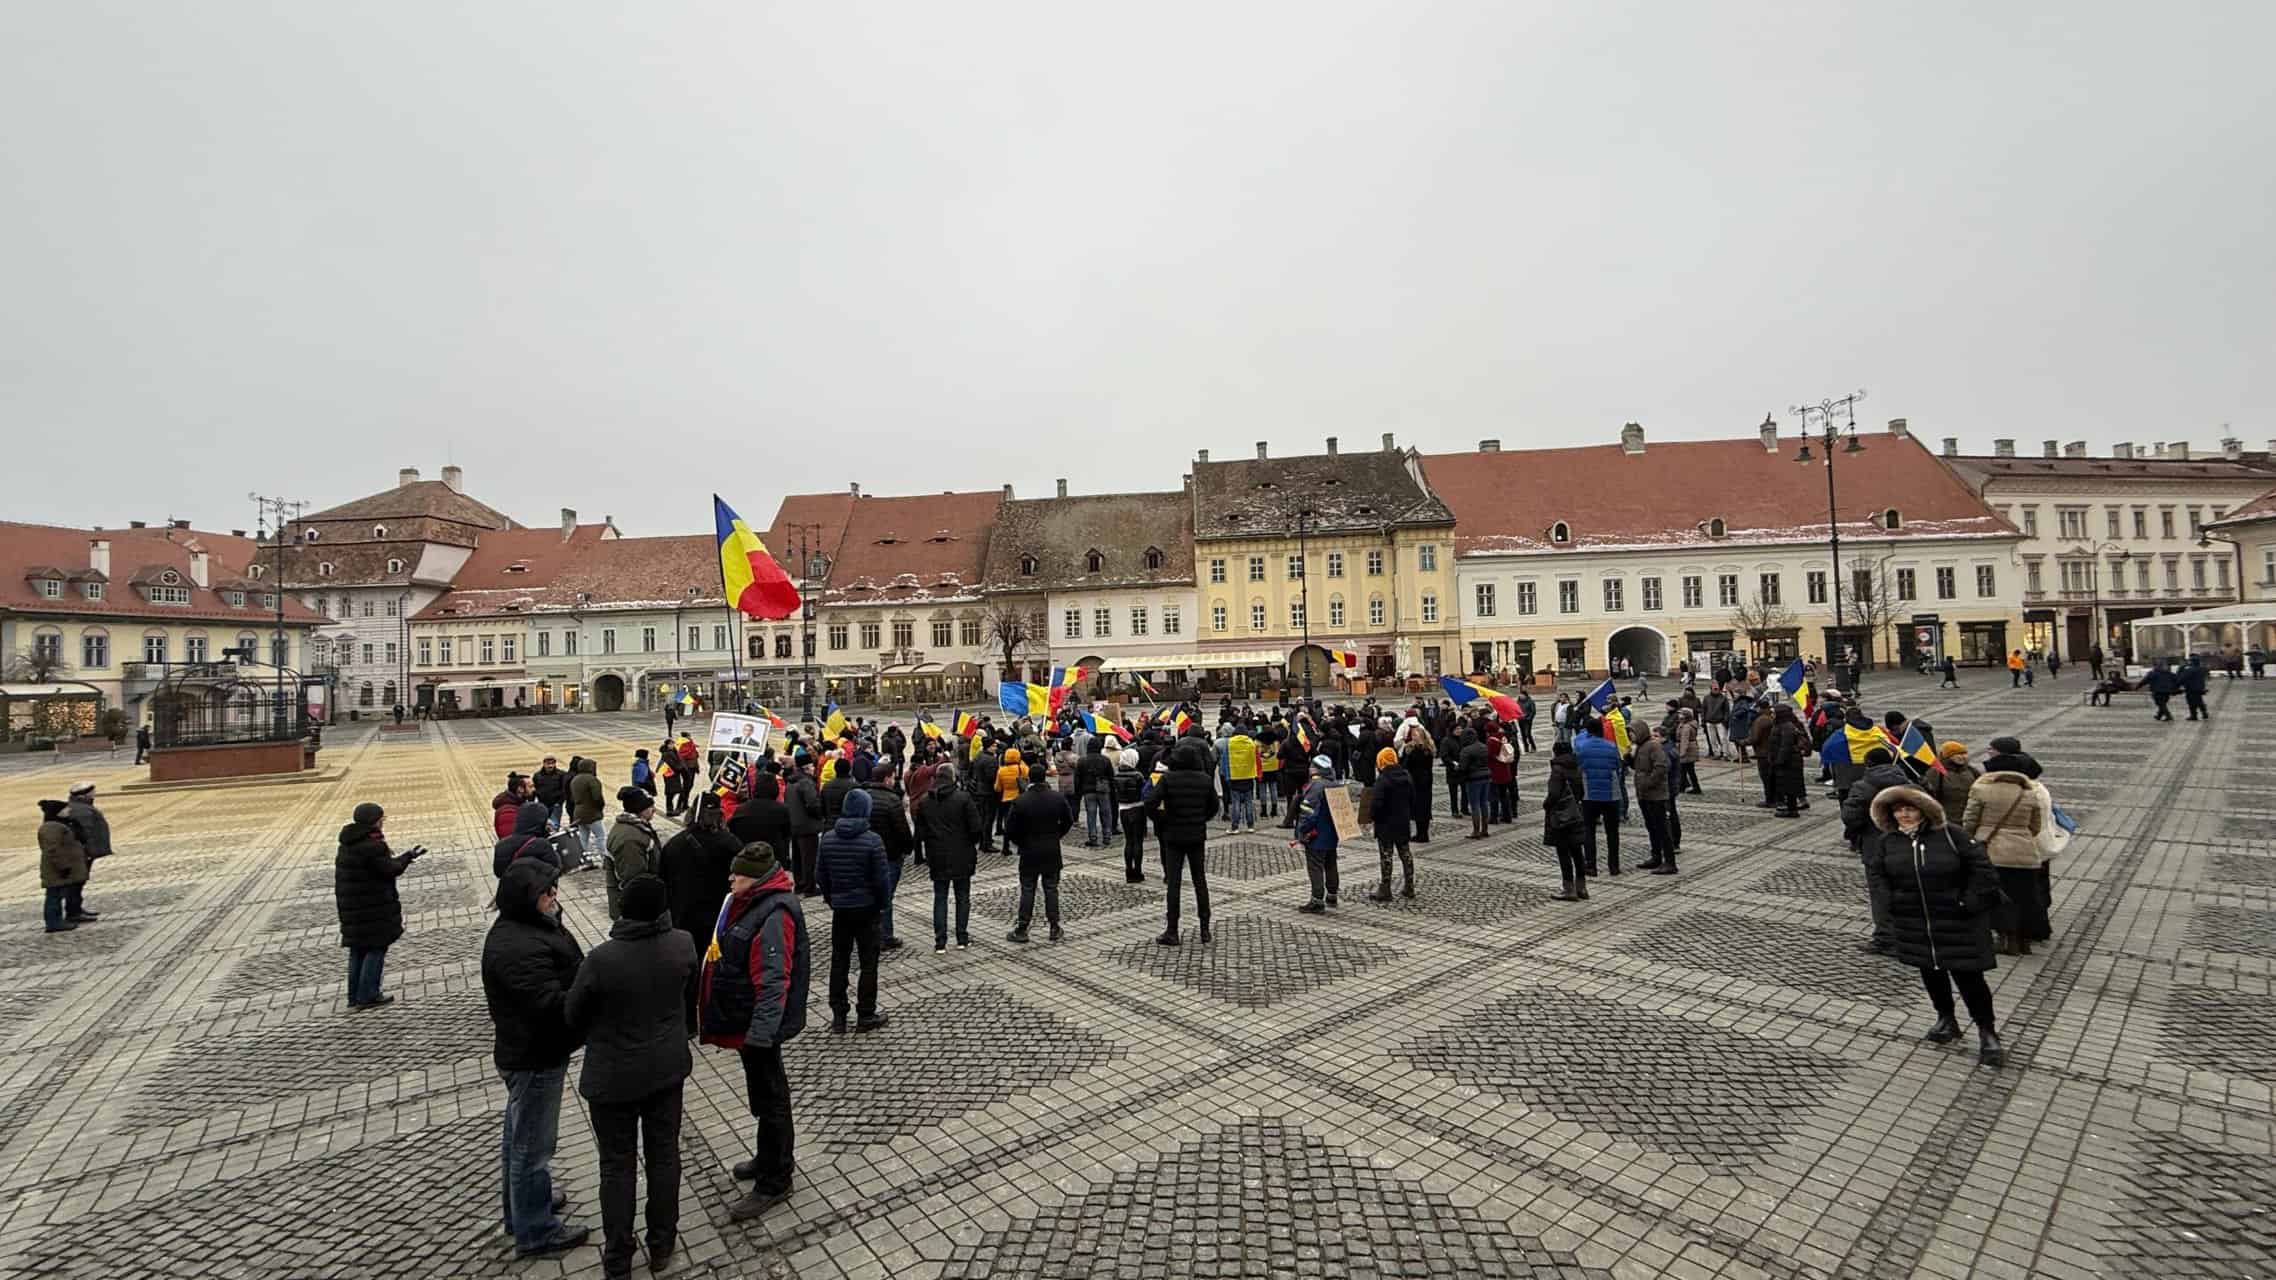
(2005, 816)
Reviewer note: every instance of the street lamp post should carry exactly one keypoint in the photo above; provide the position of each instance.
(806, 534)
(2094, 611)
(1832, 418)
(1304, 593)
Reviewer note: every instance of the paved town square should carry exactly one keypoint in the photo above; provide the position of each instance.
(1693, 1076)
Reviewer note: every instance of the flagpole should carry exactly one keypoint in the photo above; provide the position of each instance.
(735, 651)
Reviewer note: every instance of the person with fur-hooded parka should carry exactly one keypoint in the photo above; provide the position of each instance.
(1941, 891)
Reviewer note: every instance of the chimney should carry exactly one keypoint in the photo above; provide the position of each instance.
(2122, 451)
(1769, 432)
(199, 567)
(568, 521)
(1489, 446)
(854, 487)
(2232, 448)
(454, 479)
(2075, 449)
(1007, 493)
(2180, 450)
(1203, 456)
(407, 476)
(2160, 448)
(1062, 486)
(1897, 427)
(236, 533)
(1331, 446)
(138, 524)
(2003, 448)
(181, 524)
(1951, 446)
(99, 555)
(1260, 449)
(2050, 448)
(1389, 444)
(1632, 438)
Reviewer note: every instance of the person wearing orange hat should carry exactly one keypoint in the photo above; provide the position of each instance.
(1391, 802)
(1951, 784)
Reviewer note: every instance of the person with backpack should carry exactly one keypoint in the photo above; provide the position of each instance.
(529, 838)
(1564, 822)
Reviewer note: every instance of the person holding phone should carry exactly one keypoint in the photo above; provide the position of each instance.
(363, 891)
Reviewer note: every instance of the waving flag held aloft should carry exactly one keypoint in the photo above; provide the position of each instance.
(773, 719)
(1464, 692)
(1102, 725)
(1345, 658)
(966, 723)
(834, 722)
(1183, 722)
(1794, 682)
(1148, 687)
(752, 581)
(1601, 696)
(926, 727)
(1023, 699)
(1915, 749)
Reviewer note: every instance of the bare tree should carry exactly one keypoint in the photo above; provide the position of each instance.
(1869, 603)
(35, 666)
(1759, 618)
(1006, 626)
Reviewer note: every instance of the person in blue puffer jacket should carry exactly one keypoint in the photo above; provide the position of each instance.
(850, 869)
(1602, 792)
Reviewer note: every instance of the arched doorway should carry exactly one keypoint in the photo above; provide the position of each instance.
(1090, 664)
(1310, 661)
(1644, 648)
(608, 693)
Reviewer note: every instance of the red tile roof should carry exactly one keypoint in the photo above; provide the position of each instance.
(137, 555)
(679, 570)
(2260, 508)
(511, 570)
(891, 549)
(1664, 496)
(421, 498)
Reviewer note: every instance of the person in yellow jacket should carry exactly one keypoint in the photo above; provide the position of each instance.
(1011, 779)
(1268, 772)
(1241, 780)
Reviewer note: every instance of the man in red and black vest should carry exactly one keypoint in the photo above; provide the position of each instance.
(754, 1002)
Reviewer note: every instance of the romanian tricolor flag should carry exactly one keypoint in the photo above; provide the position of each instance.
(926, 727)
(1616, 729)
(1851, 745)
(1063, 682)
(1794, 682)
(1303, 737)
(1023, 699)
(753, 582)
(966, 724)
(834, 722)
(1182, 723)
(1345, 658)
(1464, 692)
(773, 719)
(1102, 725)
(1148, 687)
(1915, 748)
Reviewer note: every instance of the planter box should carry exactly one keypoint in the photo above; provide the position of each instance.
(230, 760)
(85, 746)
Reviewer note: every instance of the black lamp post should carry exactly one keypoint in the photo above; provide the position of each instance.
(1833, 420)
(1304, 592)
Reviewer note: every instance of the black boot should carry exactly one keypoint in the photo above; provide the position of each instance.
(1382, 891)
(1408, 890)
(1565, 893)
(1944, 1032)
(1989, 1051)
(1204, 939)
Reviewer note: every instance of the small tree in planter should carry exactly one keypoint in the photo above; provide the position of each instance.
(113, 724)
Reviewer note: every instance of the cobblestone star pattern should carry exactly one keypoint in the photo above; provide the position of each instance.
(2198, 1210)
(1445, 895)
(1818, 882)
(1261, 1199)
(418, 900)
(1779, 954)
(1238, 858)
(2237, 930)
(2232, 1032)
(946, 1055)
(72, 950)
(2244, 868)
(1256, 962)
(1715, 1098)
(311, 966)
(1080, 898)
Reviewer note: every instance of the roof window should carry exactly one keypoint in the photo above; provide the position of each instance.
(395, 566)
(1891, 520)
(311, 535)
(1560, 533)
(1028, 565)
(379, 531)
(325, 569)
(1154, 557)
(1094, 561)
(1716, 528)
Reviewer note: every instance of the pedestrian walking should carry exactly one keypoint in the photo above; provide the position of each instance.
(1179, 805)
(1564, 821)
(1391, 805)
(63, 866)
(2162, 684)
(1316, 833)
(949, 820)
(529, 962)
(363, 892)
(850, 869)
(2193, 688)
(142, 741)
(754, 984)
(621, 1005)
(632, 844)
(694, 867)
(1039, 820)
(1940, 887)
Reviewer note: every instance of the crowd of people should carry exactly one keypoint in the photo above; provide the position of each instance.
(709, 939)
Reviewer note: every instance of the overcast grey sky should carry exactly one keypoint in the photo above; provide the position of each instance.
(614, 256)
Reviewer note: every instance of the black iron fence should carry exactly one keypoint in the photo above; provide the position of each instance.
(204, 718)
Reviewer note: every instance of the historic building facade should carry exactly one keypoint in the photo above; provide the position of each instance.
(1104, 581)
(1579, 559)
(1294, 557)
(2108, 540)
(470, 647)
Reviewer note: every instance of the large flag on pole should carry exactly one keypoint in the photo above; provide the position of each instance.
(1794, 682)
(1151, 693)
(753, 582)
(1023, 699)
(1464, 692)
(1601, 696)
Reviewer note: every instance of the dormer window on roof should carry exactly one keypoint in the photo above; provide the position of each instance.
(1028, 565)
(941, 535)
(311, 535)
(889, 539)
(379, 531)
(395, 566)
(326, 569)
(1891, 520)
(518, 566)
(1154, 558)
(1716, 528)
(1094, 561)
(254, 571)
(91, 590)
(1560, 533)
(235, 599)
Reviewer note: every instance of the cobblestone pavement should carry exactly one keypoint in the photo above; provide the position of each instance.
(1697, 1076)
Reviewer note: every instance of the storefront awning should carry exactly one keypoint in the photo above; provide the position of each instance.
(49, 691)
(485, 684)
(1197, 661)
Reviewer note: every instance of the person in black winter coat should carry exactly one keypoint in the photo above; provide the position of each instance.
(550, 785)
(1785, 747)
(1391, 804)
(529, 962)
(636, 1060)
(1941, 888)
(1564, 824)
(952, 827)
(1038, 821)
(1094, 790)
(1881, 773)
(802, 796)
(528, 839)
(851, 871)
(693, 866)
(363, 890)
(1179, 805)
(754, 985)
(889, 818)
(1417, 760)
(761, 819)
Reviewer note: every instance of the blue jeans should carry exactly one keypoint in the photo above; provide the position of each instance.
(525, 1151)
(1476, 796)
(590, 836)
(555, 815)
(364, 964)
(1241, 803)
(885, 911)
(1098, 816)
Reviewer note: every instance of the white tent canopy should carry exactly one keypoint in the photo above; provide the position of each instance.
(1197, 661)
(2226, 629)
